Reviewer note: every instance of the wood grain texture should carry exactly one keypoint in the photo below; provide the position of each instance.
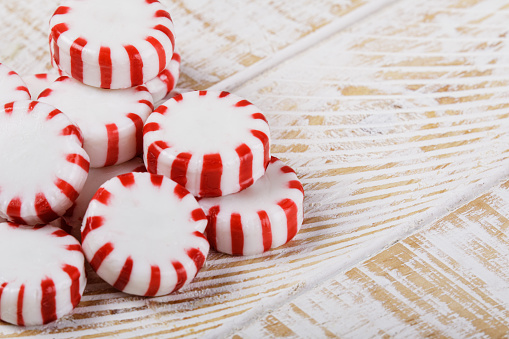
(449, 280)
(389, 124)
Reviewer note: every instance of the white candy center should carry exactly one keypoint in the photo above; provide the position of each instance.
(111, 22)
(29, 255)
(30, 150)
(145, 221)
(206, 124)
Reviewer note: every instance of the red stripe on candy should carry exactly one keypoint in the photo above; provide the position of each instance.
(126, 179)
(79, 160)
(61, 10)
(237, 234)
(155, 281)
(265, 141)
(32, 105)
(73, 130)
(136, 65)
(19, 311)
(125, 275)
(202, 93)
(181, 275)
(75, 247)
(197, 257)
(211, 226)
(91, 224)
(210, 183)
(168, 79)
(48, 301)
(113, 138)
(67, 189)
(161, 109)
(56, 52)
(199, 235)
(102, 195)
(138, 124)
(105, 66)
(14, 210)
(151, 1)
(156, 180)
(259, 116)
(57, 30)
(243, 103)
(60, 234)
(45, 93)
(43, 208)
(100, 255)
(176, 57)
(76, 58)
(179, 168)
(246, 166)
(1, 291)
(159, 50)
(150, 127)
(290, 209)
(148, 103)
(74, 274)
(9, 107)
(224, 94)
(23, 88)
(163, 14)
(180, 191)
(266, 230)
(198, 214)
(53, 114)
(153, 152)
(287, 169)
(296, 184)
(168, 33)
(177, 98)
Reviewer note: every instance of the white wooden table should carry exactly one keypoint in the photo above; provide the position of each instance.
(395, 115)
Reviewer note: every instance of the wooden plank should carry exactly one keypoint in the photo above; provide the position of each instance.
(448, 280)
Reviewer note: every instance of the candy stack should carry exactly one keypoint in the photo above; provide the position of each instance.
(206, 177)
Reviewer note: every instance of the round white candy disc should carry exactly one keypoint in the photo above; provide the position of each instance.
(213, 143)
(43, 166)
(142, 234)
(42, 274)
(12, 87)
(111, 120)
(266, 215)
(112, 44)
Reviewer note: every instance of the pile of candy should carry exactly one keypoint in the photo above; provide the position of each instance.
(69, 161)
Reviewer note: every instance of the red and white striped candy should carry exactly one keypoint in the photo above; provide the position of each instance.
(43, 165)
(112, 44)
(12, 87)
(213, 143)
(36, 83)
(265, 215)
(143, 234)
(42, 274)
(165, 81)
(97, 177)
(111, 120)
